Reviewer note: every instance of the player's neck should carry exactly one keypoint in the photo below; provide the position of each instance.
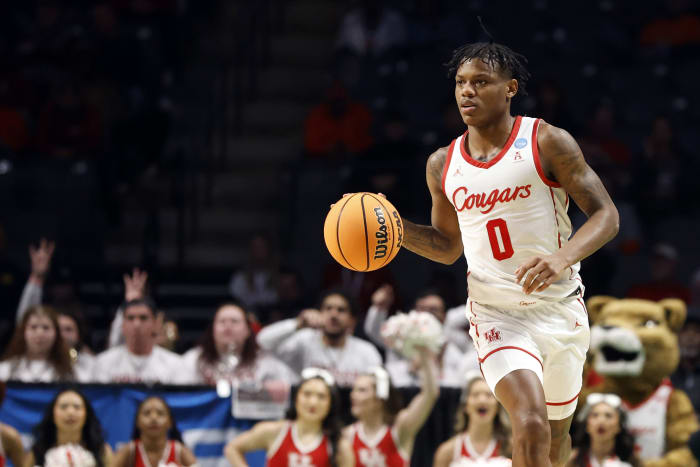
(600, 449)
(480, 432)
(484, 142)
(68, 437)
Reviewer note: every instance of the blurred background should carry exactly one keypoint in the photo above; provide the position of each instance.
(203, 141)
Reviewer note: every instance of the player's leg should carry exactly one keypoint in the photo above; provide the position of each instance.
(521, 394)
(560, 448)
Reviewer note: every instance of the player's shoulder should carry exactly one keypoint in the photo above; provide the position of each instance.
(436, 161)
(552, 139)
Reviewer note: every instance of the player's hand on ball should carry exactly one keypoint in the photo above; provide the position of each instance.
(540, 272)
(309, 318)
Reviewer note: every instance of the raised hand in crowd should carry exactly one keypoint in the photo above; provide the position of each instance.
(40, 257)
(309, 318)
(135, 284)
(383, 297)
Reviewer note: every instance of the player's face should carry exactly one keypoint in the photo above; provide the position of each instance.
(603, 422)
(139, 326)
(313, 400)
(432, 304)
(363, 397)
(230, 328)
(69, 412)
(336, 316)
(481, 405)
(153, 419)
(39, 334)
(69, 330)
(482, 93)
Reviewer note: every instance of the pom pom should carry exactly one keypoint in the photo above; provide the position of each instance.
(403, 332)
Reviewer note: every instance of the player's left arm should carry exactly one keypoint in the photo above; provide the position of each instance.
(563, 162)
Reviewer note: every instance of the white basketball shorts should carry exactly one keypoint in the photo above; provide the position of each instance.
(551, 339)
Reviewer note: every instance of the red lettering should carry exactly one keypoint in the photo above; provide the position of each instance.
(527, 191)
(504, 197)
(485, 203)
(454, 198)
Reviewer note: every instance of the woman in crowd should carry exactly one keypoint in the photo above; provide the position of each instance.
(382, 428)
(69, 434)
(482, 430)
(311, 434)
(156, 440)
(228, 351)
(36, 352)
(600, 436)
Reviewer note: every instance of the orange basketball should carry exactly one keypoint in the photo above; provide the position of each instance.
(363, 231)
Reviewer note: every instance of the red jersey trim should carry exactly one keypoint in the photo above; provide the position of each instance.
(447, 165)
(583, 305)
(565, 402)
(665, 382)
(536, 157)
(507, 347)
(499, 156)
(556, 217)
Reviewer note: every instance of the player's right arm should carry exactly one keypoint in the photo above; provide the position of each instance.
(261, 436)
(441, 241)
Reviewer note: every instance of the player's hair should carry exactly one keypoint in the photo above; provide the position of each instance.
(45, 433)
(249, 352)
(58, 357)
(498, 56)
(352, 303)
(624, 442)
(501, 424)
(173, 434)
(332, 425)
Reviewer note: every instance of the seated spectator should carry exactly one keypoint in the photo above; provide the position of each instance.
(687, 375)
(663, 262)
(679, 25)
(452, 361)
(371, 29)
(155, 439)
(139, 360)
(600, 435)
(383, 429)
(360, 285)
(482, 431)
(10, 442)
(69, 434)
(36, 353)
(322, 338)
(255, 286)
(338, 127)
(228, 350)
(601, 144)
(311, 434)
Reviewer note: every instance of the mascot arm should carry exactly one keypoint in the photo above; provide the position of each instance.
(680, 423)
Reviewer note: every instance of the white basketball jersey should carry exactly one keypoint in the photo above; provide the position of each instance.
(647, 422)
(508, 212)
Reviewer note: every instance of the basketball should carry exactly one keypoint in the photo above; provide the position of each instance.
(363, 231)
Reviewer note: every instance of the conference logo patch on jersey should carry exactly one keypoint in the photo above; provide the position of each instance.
(520, 143)
(492, 335)
(486, 202)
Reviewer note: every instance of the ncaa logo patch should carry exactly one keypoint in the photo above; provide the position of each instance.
(520, 143)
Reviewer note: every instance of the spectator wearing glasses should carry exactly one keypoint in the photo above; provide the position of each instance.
(309, 436)
(600, 435)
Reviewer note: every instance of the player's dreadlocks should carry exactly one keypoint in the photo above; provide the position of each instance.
(494, 55)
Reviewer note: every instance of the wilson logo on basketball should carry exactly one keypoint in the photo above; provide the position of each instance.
(485, 203)
(381, 234)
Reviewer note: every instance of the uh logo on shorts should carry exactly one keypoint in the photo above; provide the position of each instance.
(492, 335)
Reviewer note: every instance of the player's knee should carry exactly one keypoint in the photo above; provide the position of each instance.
(531, 431)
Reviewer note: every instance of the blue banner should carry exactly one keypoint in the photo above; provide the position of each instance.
(204, 418)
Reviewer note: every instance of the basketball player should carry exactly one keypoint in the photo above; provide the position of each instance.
(500, 193)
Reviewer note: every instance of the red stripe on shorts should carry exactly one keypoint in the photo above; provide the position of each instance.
(565, 403)
(481, 360)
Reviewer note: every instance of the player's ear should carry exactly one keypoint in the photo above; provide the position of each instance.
(511, 88)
